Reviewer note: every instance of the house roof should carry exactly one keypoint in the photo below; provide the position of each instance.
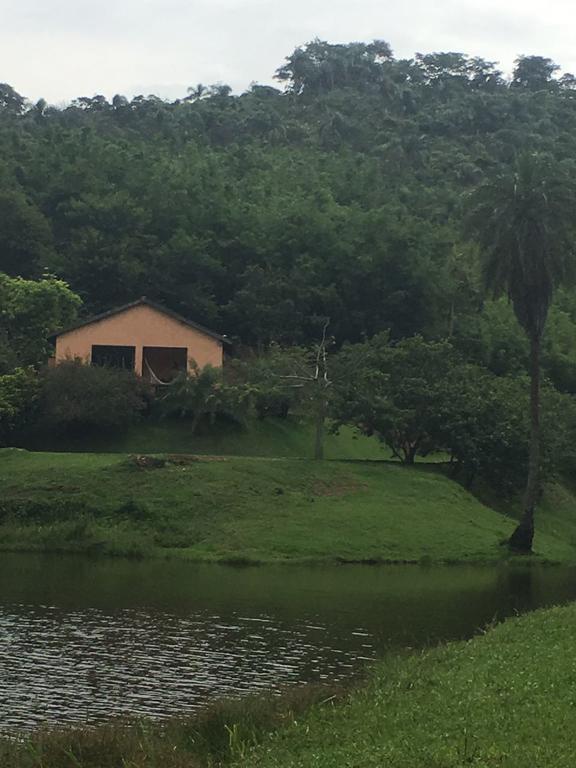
(143, 301)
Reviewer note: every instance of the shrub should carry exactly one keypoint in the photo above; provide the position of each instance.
(18, 395)
(76, 398)
(205, 392)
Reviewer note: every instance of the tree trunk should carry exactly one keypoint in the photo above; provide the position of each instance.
(196, 420)
(522, 538)
(319, 437)
(451, 319)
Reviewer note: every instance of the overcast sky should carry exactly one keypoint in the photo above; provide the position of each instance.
(59, 49)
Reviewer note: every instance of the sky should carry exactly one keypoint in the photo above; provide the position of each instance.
(60, 49)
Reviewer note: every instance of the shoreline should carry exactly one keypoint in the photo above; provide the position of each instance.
(501, 697)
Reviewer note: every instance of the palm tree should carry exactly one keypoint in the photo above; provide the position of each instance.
(523, 221)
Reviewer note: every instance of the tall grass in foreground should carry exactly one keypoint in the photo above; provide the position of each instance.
(214, 736)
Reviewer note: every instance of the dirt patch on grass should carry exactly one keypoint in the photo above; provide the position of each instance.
(173, 460)
(184, 459)
(342, 487)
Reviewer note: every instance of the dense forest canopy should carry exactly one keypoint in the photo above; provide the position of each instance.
(339, 195)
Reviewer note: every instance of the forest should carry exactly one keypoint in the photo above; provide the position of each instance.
(338, 197)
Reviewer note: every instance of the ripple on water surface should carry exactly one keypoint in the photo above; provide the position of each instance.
(85, 666)
(82, 641)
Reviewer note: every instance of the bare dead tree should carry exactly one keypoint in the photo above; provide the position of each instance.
(315, 379)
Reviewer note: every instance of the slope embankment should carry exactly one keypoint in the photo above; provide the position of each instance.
(240, 509)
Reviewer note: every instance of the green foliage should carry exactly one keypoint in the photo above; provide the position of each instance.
(26, 243)
(29, 311)
(396, 391)
(256, 213)
(288, 379)
(493, 339)
(205, 392)
(523, 221)
(76, 397)
(18, 394)
(420, 396)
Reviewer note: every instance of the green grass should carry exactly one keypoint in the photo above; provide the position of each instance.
(505, 699)
(283, 438)
(214, 736)
(240, 509)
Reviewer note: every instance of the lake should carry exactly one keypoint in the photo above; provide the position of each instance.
(83, 640)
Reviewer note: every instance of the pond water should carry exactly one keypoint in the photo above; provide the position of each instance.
(84, 640)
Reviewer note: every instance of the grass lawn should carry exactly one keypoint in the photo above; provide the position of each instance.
(254, 510)
(505, 699)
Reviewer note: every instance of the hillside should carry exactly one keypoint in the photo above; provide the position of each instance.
(255, 510)
(257, 214)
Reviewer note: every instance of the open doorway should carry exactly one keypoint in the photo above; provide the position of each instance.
(161, 365)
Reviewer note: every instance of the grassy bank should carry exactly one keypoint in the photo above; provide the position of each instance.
(255, 510)
(214, 736)
(506, 698)
(283, 438)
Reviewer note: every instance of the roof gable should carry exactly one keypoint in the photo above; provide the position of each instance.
(139, 303)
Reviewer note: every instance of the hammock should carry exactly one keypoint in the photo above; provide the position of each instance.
(155, 378)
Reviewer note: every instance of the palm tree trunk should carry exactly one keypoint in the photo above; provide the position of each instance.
(521, 539)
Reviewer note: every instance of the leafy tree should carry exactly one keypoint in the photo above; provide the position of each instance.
(10, 100)
(26, 244)
(320, 66)
(30, 310)
(18, 395)
(396, 391)
(534, 73)
(523, 223)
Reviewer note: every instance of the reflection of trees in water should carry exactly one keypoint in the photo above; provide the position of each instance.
(520, 587)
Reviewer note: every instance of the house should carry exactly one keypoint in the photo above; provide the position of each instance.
(144, 337)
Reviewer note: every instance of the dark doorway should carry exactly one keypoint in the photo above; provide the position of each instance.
(161, 365)
(113, 356)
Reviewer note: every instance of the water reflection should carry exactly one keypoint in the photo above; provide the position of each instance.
(83, 640)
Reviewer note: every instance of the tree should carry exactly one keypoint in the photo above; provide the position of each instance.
(30, 310)
(10, 100)
(396, 391)
(522, 221)
(26, 245)
(18, 394)
(301, 375)
(206, 392)
(534, 73)
(195, 395)
(319, 67)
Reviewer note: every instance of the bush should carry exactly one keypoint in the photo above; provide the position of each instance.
(18, 395)
(205, 392)
(76, 398)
